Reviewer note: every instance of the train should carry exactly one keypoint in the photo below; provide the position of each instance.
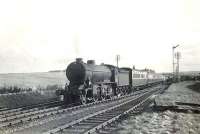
(89, 82)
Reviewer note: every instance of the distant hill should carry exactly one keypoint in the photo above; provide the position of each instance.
(56, 71)
(185, 73)
(33, 79)
(190, 73)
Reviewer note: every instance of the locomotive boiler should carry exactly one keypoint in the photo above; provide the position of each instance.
(89, 82)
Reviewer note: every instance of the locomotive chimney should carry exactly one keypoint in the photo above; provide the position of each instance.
(79, 60)
(91, 62)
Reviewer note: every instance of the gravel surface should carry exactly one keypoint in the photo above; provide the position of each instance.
(160, 123)
(179, 92)
(166, 122)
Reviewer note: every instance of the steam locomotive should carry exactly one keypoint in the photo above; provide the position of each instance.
(90, 82)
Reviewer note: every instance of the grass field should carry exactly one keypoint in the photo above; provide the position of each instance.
(33, 80)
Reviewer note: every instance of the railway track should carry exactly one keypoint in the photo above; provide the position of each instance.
(97, 120)
(6, 111)
(30, 119)
(9, 113)
(61, 122)
(26, 121)
(17, 116)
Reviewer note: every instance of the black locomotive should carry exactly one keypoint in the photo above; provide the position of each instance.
(90, 82)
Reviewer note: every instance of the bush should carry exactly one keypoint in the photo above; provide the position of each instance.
(13, 89)
(16, 89)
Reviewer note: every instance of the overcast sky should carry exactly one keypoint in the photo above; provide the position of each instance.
(43, 35)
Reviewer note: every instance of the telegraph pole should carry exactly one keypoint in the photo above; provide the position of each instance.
(178, 56)
(117, 59)
(173, 60)
(173, 48)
